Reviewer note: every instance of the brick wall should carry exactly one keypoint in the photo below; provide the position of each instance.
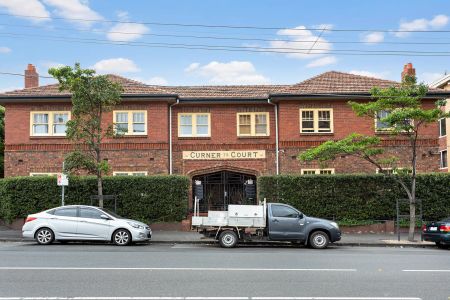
(25, 154)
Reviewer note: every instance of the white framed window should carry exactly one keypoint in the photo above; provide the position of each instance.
(393, 170)
(317, 171)
(443, 159)
(442, 127)
(37, 174)
(381, 126)
(131, 173)
(194, 124)
(130, 122)
(316, 120)
(253, 124)
(49, 123)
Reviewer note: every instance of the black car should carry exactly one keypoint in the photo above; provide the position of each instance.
(438, 232)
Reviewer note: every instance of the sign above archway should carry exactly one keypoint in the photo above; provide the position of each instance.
(220, 155)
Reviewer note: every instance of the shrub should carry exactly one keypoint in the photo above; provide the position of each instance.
(355, 197)
(145, 198)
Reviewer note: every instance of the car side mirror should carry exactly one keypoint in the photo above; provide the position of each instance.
(300, 216)
(105, 217)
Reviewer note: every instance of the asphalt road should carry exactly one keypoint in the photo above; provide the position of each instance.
(188, 271)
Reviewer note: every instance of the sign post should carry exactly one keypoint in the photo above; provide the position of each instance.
(62, 181)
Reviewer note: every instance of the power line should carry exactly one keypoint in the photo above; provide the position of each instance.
(253, 49)
(221, 26)
(222, 37)
(23, 75)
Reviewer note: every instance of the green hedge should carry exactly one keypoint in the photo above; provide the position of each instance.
(355, 197)
(145, 198)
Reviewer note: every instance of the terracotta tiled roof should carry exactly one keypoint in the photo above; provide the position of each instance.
(225, 91)
(131, 87)
(337, 82)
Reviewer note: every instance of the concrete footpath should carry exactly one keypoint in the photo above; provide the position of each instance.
(178, 237)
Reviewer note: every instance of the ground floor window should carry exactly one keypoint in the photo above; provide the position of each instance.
(443, 163)
(36, 174)
(131, 173)
(317, 171)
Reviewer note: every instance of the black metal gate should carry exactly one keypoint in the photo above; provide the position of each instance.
(223, 188)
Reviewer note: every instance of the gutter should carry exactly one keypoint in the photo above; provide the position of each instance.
(277, 158)
(170, 137)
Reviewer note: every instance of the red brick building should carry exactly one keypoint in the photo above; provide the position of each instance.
(219, 135)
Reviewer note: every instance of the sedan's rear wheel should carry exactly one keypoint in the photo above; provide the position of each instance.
(121, 237)
(319, 240)
(44, 236)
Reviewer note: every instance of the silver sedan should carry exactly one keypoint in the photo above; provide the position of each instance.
(83, 223)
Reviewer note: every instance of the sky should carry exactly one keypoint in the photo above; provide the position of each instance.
(275, 42)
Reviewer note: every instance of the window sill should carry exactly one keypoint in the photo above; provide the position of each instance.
(254, 137)
(130, 136)
(194, 137)
(316, 133)
(47, 137)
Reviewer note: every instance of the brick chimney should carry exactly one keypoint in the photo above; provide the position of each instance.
(408, 70)
(31, 77)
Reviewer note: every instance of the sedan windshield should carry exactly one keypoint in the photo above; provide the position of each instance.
(447, 220)
(111, 213)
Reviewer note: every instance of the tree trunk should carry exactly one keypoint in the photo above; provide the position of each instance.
(100, 189)
(412, 211)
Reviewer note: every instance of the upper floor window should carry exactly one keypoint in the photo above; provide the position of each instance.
(384, 126)
(194, 124)
(317, 171)
(443, 160)
(49, 123)
(253, 124)
(442, 127)
(316, 120)
(133, 122)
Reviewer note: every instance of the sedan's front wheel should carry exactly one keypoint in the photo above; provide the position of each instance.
(121, 237)
(45, 236)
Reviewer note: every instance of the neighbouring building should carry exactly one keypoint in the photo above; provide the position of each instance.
(222, 136)
(444, 126)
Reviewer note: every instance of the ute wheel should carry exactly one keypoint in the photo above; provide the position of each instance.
(319, 240)
(440, 245)
(44, 236)
(228, 239)
(121, 237)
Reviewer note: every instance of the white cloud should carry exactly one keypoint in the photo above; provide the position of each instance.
(126, 31)
(382, 75)
(192, 67)
(323, 61)
(75, 9)
(300, 40)
(26, 7)
(5, 50)
(438, 21)
(233, 72)
(51, 64)
(429, 77)
(373, 37)
(115, 65)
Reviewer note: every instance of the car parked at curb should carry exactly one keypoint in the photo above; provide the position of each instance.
(438, 232)
(83, 223)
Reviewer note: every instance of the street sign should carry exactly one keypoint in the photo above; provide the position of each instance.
(63, 180)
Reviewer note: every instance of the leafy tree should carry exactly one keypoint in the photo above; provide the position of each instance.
(405, 116)
(92, 96)
(2, 141)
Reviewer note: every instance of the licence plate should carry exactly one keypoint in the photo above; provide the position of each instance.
(432, 228)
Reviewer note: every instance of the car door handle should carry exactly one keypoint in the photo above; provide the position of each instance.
(275, 220)
(82, 221)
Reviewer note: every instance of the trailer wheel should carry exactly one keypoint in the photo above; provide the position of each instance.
(319, 240)
(228, 239)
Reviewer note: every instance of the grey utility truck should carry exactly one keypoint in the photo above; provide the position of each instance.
(265, 222)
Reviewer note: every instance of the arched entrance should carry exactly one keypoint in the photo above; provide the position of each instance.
(222, 188)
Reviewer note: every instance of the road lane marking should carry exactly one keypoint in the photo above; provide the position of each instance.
(209, 298)
(167, 269)
(426, 270)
